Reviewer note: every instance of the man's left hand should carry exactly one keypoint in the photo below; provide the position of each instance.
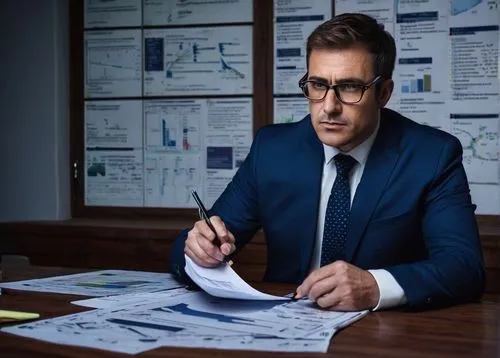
(340, 286)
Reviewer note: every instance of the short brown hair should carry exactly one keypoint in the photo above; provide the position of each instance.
(350, 29)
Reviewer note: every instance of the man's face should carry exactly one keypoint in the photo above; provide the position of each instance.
(340, 125)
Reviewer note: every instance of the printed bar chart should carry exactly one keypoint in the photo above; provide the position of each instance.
(417, 85)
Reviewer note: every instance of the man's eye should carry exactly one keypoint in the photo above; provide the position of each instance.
(349, 87)
(317, 86)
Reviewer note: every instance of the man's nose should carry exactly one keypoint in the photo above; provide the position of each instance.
(331, 103)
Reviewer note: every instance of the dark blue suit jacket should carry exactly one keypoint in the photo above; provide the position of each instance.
(411, 215)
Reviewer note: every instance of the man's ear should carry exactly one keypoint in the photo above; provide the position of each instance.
(385, 92)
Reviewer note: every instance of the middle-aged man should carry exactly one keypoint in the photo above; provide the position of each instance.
(362, 207)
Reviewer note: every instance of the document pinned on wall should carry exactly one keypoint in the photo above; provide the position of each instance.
(113, 124)
(173, 134)
(112, 13)
(294, 20)
(114, 177)
(98, 283)
(179, 12)
(193, 144)
(421, 73)
(228, 139)
(175, 58)
(289, 109)
(480, 138)
(113, 148)
(474, 41)
(113, 63)
(381, 10)
(474, 96)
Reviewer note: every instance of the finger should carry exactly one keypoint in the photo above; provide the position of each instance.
(314, 277)
(205, 262)
(202, 247)
(202, 229)
(223, 233)
(211, 250)
(226, 238)
(323, 287)
(331, 300)
(228, 248)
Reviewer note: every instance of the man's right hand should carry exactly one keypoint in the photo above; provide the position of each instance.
(199, 243)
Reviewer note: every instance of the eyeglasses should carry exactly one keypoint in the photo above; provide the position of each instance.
(347, 93)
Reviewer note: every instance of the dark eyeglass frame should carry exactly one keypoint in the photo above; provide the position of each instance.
(335, 87)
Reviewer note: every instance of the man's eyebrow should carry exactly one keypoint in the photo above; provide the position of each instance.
(318, 79)
(354, 80)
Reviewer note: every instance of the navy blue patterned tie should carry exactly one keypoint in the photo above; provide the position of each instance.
(337, 212)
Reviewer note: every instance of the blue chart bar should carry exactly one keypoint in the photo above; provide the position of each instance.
(167, 141)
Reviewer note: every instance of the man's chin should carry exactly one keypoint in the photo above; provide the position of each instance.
(333, 139)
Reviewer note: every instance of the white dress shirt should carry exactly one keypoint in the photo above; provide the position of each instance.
(391, 293)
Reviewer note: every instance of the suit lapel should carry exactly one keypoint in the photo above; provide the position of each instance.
(378, 168)
(310, 162)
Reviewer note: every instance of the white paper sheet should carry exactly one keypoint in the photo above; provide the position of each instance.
(131, 300)
(99, 283)
(223, 281)
(196, 319)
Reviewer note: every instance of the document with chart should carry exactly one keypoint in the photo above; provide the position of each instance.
(181, 12)
(113, 63)
(196, 320)
(98, 283)
(113, 153)
(198, 61)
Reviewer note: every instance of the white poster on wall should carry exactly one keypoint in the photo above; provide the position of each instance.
(193, 144)
(113, 124)
(381, 10)
(112, 60)
(290, 109)
(113, 153)
(228, 141)
(198, 61)
(173, 135)
(479, 135)
(421, 72)
(113, 177)
(294, 20)
(181, 12)
(112, 13)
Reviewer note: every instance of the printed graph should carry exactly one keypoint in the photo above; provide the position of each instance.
(417, 85)
(112, 63)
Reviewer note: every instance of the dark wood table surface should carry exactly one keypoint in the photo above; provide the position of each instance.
(471, 330)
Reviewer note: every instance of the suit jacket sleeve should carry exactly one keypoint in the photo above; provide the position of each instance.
(237, 206)
(454, 270)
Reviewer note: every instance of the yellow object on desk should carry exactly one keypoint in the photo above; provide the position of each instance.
(11, 316)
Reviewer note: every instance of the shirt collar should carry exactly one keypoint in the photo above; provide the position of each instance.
(360, 153)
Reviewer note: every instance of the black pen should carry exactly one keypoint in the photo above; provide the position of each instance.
(204, 216)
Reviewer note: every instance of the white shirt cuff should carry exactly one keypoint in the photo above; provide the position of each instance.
(391, 293)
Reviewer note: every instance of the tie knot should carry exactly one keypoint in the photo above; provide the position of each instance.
(344, 164)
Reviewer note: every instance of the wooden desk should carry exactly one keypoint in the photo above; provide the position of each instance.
(471, 330)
